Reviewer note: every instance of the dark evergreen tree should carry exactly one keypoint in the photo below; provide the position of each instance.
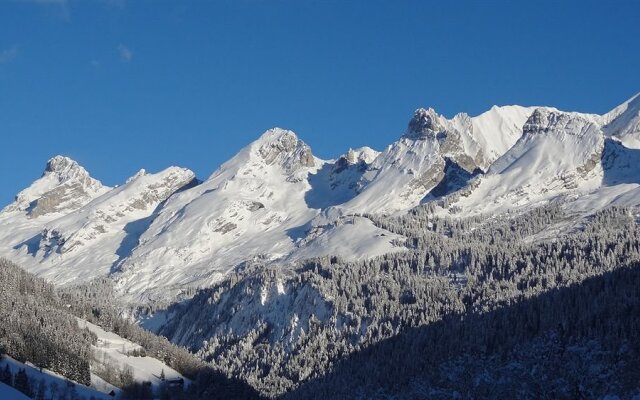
(6, 376)
(22, 383)
(40, 392)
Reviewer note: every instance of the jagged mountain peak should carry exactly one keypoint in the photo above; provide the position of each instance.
(63, 187)
(544, 120)
(365, 154)
(275, 148)
(283, 147)
(425, 123)
(141, 172)
(277, 134)
(65, 168)
(60, 163)
(110, 213)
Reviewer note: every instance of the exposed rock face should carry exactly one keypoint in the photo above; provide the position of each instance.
(362, 154)
(71, 195)
(425, 123)
(64, 186)
(278, 146)
(403, 174)
(110, 212)
(543, 121)
(66, 168)
(158, 233)
(559, 124)
(350, 157)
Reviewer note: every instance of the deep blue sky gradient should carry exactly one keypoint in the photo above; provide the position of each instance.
(122, 85)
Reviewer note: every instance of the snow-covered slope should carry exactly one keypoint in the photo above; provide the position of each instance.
(409, 169)
(255, 205)
(111, 353)
(64, 186)
(245, 209)
(351, 237)
(9, 393)
(86, 241)
(116, 353)
(498, 129)
(55, 386)
(623, 122)
(558, 153)
(159, 234)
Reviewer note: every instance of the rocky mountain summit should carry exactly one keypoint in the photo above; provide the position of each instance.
(159, 234)
(64, 186)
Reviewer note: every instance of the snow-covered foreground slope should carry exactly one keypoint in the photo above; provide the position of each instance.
(116, 353)
(160, 234)
(112, 355)
(55, 386)
(9, 393)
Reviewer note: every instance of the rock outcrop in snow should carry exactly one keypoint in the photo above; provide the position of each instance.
(64, 186)
(435, 153)
(559, 153)
(274, 201)
(86, 238)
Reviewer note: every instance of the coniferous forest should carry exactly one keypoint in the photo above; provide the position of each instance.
(476, 306)
(39, 326)
(524, 305)
(319, 200)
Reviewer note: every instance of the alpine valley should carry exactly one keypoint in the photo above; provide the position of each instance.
(474, 257)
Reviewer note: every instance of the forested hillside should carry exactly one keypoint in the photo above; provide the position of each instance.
(39, 326)
(501, 304)
(497, 289)
(35, 326)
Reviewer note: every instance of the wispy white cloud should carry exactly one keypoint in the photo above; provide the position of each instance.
(8, 55)
(125, 53)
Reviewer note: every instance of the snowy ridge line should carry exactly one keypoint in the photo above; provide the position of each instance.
(160, 233)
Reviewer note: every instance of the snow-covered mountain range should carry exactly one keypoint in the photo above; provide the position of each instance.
(161, 233)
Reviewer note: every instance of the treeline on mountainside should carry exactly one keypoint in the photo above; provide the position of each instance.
(35, 327)
(94, 302)
(575, 342)
(528, 304)
(455, 269)
(38, 325)
(40, 389)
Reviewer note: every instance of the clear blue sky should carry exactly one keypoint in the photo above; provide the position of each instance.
(121, 85)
